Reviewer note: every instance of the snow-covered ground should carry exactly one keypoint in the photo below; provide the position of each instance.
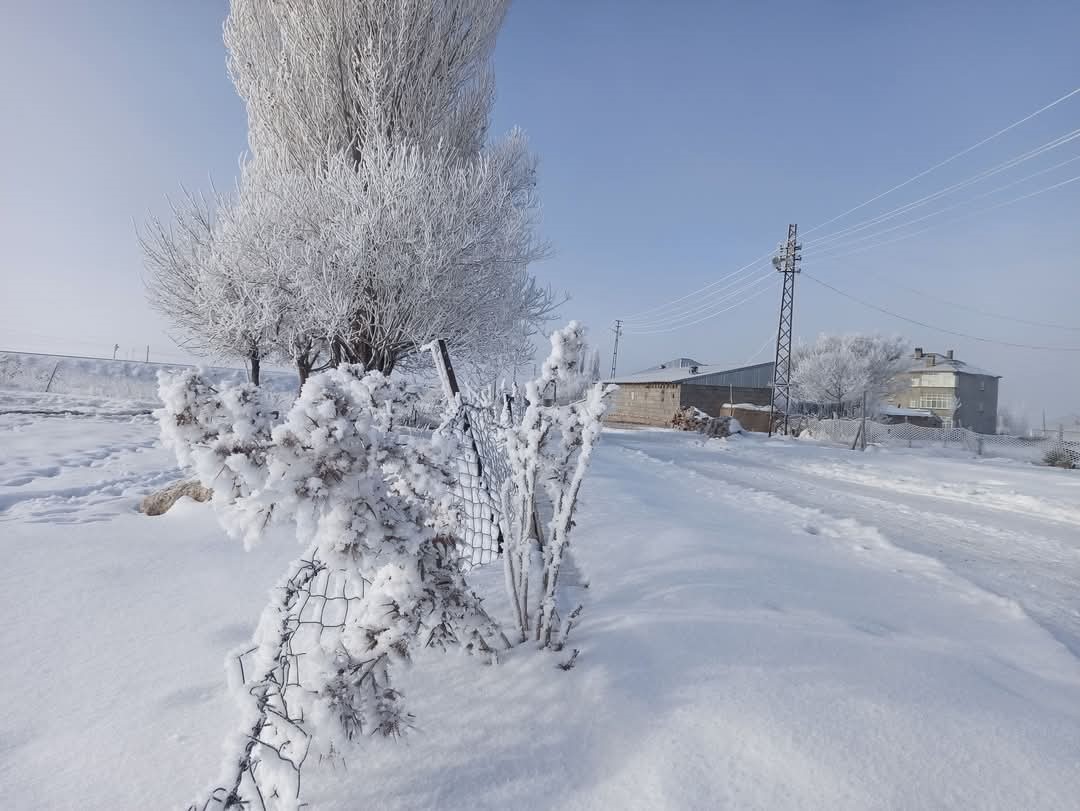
(770, 624)
(99, 377)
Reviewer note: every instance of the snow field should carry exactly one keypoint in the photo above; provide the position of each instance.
(768, 624)
(128, 380)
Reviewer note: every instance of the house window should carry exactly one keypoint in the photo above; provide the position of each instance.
(980, 407)
(982, 387)
(939, 400)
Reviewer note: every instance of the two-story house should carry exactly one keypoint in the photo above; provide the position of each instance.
(962, 395)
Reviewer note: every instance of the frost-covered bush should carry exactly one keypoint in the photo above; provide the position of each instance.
(550, 448)
(380, 577)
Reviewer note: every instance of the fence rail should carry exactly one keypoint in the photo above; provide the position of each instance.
(1027, 449)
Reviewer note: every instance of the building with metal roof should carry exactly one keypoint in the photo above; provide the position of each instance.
(758, 375)
(653, 396)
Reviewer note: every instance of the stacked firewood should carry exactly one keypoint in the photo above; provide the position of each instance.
(694, 419)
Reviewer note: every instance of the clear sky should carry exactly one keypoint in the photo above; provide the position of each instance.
(677, 141)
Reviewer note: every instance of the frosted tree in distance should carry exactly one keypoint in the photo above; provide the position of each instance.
(549, 451)
(380, 578)
(837, 370)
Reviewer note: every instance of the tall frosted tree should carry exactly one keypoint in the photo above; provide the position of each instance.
(384, 215)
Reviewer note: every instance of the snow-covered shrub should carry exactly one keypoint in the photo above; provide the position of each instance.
(380, 577)
(549, 447)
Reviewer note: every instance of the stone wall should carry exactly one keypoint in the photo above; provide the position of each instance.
(657, 403)
(645, 404)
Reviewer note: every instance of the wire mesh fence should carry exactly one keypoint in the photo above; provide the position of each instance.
(313, 606)
(1028, 449)
(482, 469)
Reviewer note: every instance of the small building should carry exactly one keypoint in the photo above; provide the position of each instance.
(653, 396)
(895, 415)
(959, 394)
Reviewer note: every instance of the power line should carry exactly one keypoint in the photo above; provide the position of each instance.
(945, 330)
(733, 290)
(768, 340)
(694, 293)
(968, 307)
(954, 219)
(706, 311)
(848, 243)
(710, 315)
(986, 173)
(654, 313)
(948, 160)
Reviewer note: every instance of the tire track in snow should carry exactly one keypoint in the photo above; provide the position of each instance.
(1042, 588)
(964, 494)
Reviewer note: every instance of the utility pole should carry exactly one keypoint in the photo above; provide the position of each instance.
(615, 354)
(786, 262)
(148, 353)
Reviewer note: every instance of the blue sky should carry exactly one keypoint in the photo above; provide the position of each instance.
(677, 141)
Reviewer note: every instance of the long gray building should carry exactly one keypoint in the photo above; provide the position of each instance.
(653, 396)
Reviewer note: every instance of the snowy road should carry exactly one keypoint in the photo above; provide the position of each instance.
(768, 625)
(1010, 528)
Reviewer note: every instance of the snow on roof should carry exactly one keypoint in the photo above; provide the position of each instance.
(675, 363)
(679, 373)
(747, 406)
(943, 364)
(898, 411)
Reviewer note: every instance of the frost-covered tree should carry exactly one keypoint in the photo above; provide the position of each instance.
(380, 577)
(414, 246)
(549, 450)
(340, 76)
(213, 275)
(376, 214)
(837, 370)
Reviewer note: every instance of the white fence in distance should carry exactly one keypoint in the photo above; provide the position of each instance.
(1026, 449)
